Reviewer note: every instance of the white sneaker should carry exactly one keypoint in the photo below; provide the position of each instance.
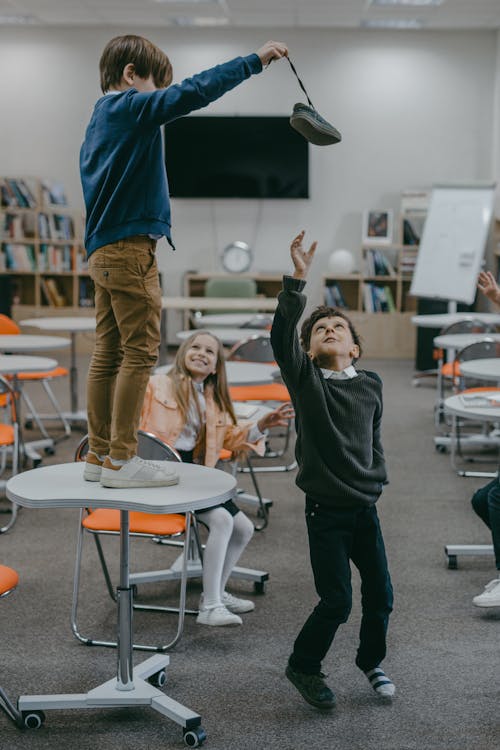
(218, 615)
(234, 604)
(490, 596)
(138, 473)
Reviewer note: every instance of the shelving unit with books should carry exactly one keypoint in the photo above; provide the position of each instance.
(41, 246)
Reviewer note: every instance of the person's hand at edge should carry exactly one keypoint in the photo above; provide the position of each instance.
(488, 286)
(301, 258)
(272, 51)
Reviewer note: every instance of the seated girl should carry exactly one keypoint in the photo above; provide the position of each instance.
(190, 409)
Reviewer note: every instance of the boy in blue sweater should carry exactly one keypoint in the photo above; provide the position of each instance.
(126, 196)
(341, 470)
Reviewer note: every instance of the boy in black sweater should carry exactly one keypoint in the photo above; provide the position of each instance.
(341, 470)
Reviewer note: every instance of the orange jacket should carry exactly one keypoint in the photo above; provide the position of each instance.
(162, 416)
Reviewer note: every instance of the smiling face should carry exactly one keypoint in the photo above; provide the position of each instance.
(200, 358)
(331, 344)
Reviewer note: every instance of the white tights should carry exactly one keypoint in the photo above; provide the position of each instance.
(228, 536)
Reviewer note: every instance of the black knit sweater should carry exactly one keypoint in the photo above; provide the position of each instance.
(338, 448)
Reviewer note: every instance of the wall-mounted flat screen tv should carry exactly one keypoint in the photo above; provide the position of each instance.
(236, 157)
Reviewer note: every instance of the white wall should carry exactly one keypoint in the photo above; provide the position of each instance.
(413, 107)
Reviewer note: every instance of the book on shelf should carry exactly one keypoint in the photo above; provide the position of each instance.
(19, 257)
(334, 296)
(53, 193)
(377, 263)
(17, 193)
(85, 293)
(18, 226)
(52, 293)
(55, 258)
(378, 298)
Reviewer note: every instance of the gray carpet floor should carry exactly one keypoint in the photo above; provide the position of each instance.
(443, 652)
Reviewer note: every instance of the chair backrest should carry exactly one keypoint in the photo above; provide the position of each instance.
(253, 349)
(469, 326)
(486, 349)
(149, 447)
(232, 287)
(7, 326)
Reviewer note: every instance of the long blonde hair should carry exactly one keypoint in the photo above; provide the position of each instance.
(184, 390)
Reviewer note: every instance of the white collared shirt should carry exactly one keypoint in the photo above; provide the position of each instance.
(345, 374)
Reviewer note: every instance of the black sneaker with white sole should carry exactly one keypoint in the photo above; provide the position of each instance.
(312, 688)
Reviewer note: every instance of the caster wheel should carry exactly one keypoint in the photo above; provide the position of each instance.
(195, 737)
(33, 719)
(49, 451)
(135, 590)
(28, 425)
(441, 448)
(159, 679)
(259, 587)
(36, 463)
(452, 562)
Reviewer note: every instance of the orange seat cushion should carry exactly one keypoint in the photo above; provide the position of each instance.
(225, 455)
(166, 524)
(8, 327)
(8, 579)
(6, 434)
(267, 392)
(57, 372)
(451, 370)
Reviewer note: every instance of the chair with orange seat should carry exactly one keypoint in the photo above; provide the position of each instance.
(263, 503)
(9, 440)
(449, 372)
(9, 327)
(258, 349)
(167, 528)
(9, 579)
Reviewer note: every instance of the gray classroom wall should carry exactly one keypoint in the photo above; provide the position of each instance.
(414, 108)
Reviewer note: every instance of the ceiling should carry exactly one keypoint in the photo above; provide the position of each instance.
(444, 14)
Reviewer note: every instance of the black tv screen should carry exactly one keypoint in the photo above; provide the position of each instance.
(236, 157)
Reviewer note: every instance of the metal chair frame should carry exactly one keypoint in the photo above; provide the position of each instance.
(149, 447)
(15, 447)
(6, 704)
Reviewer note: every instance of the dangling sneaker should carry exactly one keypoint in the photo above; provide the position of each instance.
(138, 473)
(312, 688)
(490, 596)
(218, 615)
(93, 467)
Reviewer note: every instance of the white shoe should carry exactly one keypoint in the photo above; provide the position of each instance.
(234, 604)
(138, 473)
(490, 596)
(218, 615)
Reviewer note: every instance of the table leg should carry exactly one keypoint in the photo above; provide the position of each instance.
(124, 678)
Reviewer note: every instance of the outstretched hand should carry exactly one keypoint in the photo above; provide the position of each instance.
(488, 286)
(301, 258)
(277, 418)
(272, 51)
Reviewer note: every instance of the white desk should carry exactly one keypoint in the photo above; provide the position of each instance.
(71, 325)
(453, 342)
(228, 336)
(233, 320)
(481, 369)
(446, 319)
(207, 304)
(63, 486)
(241, 373)
(455, 406)
(25, 343)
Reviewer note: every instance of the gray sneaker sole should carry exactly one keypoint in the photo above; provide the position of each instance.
(123, 484)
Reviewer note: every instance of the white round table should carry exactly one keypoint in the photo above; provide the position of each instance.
(25, 343)
(481, 369)
(72, 326)
(446, 319)
(228, 336)
(456, 341)
(63, 486)
(241, 373)
(233, 320)
(11, 364)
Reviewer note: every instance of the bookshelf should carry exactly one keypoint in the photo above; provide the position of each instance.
(41, 248)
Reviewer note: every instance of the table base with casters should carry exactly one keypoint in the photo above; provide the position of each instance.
(61, 486)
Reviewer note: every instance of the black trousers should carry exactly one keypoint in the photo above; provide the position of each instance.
(336, 536)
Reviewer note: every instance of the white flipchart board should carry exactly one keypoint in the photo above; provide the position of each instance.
(453, 243)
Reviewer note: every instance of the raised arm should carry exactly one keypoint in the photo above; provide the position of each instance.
(289, 354)
(488, 286)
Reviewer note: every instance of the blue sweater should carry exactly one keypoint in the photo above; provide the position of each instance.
(122, 167)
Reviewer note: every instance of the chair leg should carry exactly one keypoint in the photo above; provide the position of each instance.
(8, 708)
(57, 408)
(262, 505)
(15, 470)
(34, 414)
(181, 610)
